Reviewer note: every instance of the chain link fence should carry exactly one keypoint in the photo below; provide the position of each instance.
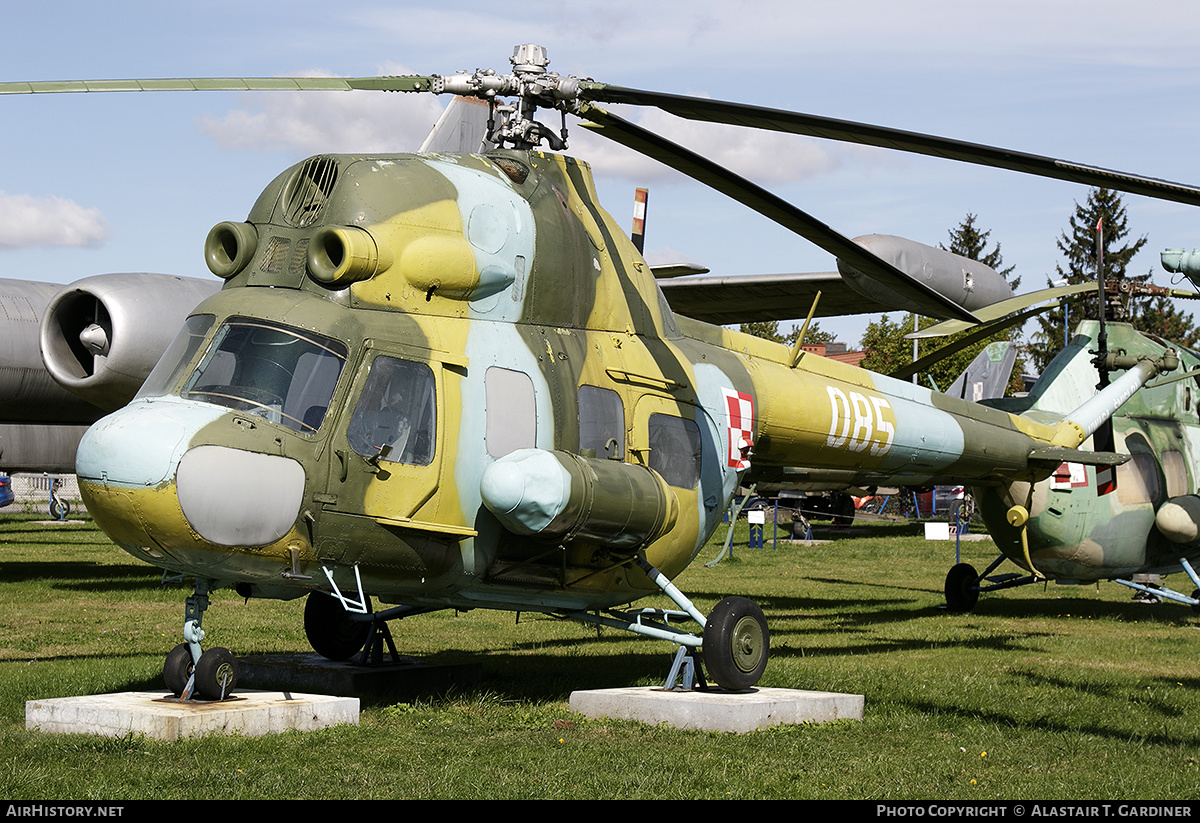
(32, 494)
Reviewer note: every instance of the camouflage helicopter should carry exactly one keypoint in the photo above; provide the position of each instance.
(450, 381)
(1085, 524)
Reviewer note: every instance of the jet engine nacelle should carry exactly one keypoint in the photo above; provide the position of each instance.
(101, 335)
(969, 283)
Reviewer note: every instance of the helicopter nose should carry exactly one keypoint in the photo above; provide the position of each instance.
(137, 467)
(139, 446)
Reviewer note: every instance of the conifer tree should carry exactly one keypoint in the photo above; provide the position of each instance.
(1156, 315)
(1163, 318)
(1103, 209)
(967, 240)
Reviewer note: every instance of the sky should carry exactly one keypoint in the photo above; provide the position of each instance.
(95, 183)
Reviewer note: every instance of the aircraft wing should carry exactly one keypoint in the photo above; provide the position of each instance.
(967, 284)
(748, 298)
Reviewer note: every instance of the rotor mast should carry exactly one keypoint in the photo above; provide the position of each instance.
(531, 84)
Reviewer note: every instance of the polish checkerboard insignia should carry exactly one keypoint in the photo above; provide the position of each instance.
(740, 407)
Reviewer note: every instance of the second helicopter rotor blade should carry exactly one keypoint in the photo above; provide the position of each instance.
(773, 207)
(739, 114)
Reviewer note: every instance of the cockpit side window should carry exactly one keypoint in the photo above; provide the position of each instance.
(397, 412)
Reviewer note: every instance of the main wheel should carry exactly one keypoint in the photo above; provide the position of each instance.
(800, 527)
(216, 674)
(843, 510)
(962, 592)
(736, 644)
(177, 669)
(331, 632)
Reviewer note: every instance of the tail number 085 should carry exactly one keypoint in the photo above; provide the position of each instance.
(858, 421)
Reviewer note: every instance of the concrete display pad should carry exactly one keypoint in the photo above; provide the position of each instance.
(162, 716)
(717, 710)
(313, 673)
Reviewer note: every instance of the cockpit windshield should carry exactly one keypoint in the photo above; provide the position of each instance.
(285, 375)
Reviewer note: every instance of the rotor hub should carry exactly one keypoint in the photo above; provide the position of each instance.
(532, 84)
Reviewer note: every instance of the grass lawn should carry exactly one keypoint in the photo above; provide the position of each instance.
(1040, 693)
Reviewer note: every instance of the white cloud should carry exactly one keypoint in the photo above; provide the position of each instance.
(320, 122)
(27, 221)
(375, 122)
(762, 156)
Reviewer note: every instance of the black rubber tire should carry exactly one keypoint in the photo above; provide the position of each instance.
(736, 644)
(331, 632)
(843, 510)
(177, 669)
(962, 592)
(59, 509)
(800, 527)
(216, 674)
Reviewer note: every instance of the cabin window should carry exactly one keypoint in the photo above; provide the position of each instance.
(397, 413)
(178, 354)
(282, 374)
(675, 450)
(1175, 473)
(601, 422)
(1137, 480)
(511, 413)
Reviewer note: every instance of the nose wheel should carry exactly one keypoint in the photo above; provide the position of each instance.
(216, 673)
(178, 669)
(189, 672)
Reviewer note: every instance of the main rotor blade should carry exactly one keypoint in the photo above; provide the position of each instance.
(738, 114)
(398, 83)
(777, 209)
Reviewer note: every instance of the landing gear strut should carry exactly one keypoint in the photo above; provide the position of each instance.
(735, 644)
(963, 585)
(191, 672)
